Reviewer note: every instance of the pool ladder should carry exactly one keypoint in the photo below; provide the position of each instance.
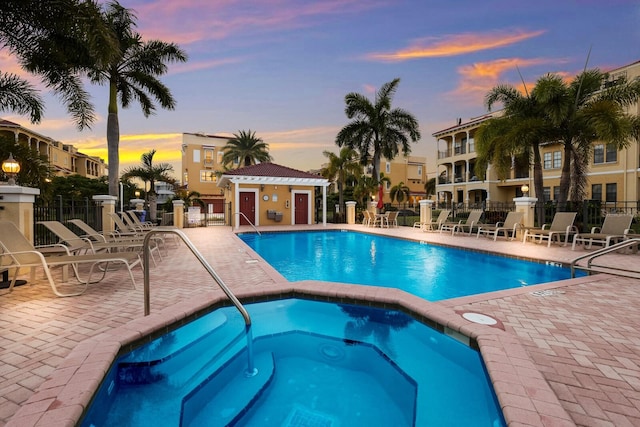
(146, 252)
(600, 268)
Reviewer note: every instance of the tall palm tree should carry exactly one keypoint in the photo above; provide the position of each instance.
(150, 173)
(430, 187)
(340, 168)
(246, 149)
(377, 130)
(399, 192)
(57, 41)
(131, 75)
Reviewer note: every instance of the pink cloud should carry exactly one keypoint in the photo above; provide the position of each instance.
(456, 44)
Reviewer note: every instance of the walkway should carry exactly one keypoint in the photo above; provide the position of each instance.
(583, 336)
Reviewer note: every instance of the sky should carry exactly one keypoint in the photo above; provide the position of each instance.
(282, 68)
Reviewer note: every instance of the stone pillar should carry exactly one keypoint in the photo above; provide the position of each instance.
(351, 212)
(137, 204)
(16, 205)
(108, 205)
(178, 213)
(373, 206)
(426, 210)
(526, 205)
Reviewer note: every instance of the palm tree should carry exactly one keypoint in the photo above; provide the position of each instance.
(377, 130)
(246, 149)
(399, 192)
(132, 74)
(20, 96)
(517, 134)
(430, 187)
(340, 168)
(57, 41)
(588, 109)
(35, 170)
(150, 173)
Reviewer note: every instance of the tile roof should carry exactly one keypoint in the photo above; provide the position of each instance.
(271, 170)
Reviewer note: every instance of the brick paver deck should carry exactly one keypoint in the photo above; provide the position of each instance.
(582, 335)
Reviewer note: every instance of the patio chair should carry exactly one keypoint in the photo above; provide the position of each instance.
(434, 224)
(614, 228)
(85, 245)
(470, 223)
(366, 218)
(17, 252)
(562, 224)
(390, 219)
(509, 227)
(93, 234)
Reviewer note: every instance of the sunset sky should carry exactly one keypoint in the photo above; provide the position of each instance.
(281, 68)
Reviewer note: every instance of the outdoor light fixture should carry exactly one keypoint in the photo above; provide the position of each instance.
(261, 187)
(290, 188)
(137, 193)
(11, 167)
(525, 190)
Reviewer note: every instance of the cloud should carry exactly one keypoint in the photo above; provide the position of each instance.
(456, 44)
(478, 78)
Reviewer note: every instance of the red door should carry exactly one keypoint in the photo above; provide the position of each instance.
(301, 206)
(248, 208)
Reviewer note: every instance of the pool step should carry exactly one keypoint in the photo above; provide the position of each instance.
(224, 397)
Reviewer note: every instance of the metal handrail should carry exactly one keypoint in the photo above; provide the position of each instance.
(249, 221)
(146, 251)
(604, 251)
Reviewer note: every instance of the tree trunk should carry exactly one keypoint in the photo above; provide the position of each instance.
(113, 140)
(538, 184)
(153, 206)
(565, 177)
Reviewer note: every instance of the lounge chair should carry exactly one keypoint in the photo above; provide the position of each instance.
(509, 227)
(366, 218)
(434, 224)
(17, 252)
(470, 223)
(562, 224)
(93, 234)
(614, 228)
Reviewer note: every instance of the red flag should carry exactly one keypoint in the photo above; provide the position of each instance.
(380, 197)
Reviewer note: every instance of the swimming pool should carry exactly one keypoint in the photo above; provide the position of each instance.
(319, 363)
(429, 271)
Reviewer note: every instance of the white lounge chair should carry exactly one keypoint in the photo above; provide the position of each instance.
(434, 224)
(614, 228)
(470, 223)
(562, 224)
(509, 227)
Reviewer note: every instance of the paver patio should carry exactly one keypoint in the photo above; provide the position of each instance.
(582, 335)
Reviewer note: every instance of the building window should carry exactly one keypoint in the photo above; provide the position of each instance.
(547, 161)
(472, 145)
(556, 192)
(420, 171)
(611, 155)
(387, 167)
(220, 154)
(596, 192)
(612, 192)
(196, 156)
(557, 159)
(208, 176)
(546, 193)
(208, 155)
(598, 153)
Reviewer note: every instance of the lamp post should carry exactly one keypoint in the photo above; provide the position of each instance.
(11, 167)
(525, 190)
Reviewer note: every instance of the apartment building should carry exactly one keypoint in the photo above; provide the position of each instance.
(201, 165)
(412, 171)
(613, 175)
(64, 159)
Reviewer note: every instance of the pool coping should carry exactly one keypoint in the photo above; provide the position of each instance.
(524, 395)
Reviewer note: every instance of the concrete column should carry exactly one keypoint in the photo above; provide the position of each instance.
(108, 205)
(137, 204)
(351, 212)
(426, 209)
(373, 206)
(527, 206)
(178, 213)
(16, 205)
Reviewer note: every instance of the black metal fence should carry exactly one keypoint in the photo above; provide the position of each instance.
(63, 210)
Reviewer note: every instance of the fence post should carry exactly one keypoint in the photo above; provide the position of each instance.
(351, 212)
(178, 213)
(108, 206)
(16, 205)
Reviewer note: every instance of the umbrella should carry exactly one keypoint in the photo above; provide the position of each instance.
(380, 196)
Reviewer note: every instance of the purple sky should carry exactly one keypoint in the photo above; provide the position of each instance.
(282, 67)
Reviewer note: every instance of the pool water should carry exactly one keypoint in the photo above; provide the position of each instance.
(319, 364)
(429, 271)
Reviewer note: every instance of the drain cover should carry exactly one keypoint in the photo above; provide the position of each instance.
(546, 293)
(302, 417)
(482, 319)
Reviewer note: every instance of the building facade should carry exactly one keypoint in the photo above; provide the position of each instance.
(410, 170)
(64, 159)
(613, 174)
